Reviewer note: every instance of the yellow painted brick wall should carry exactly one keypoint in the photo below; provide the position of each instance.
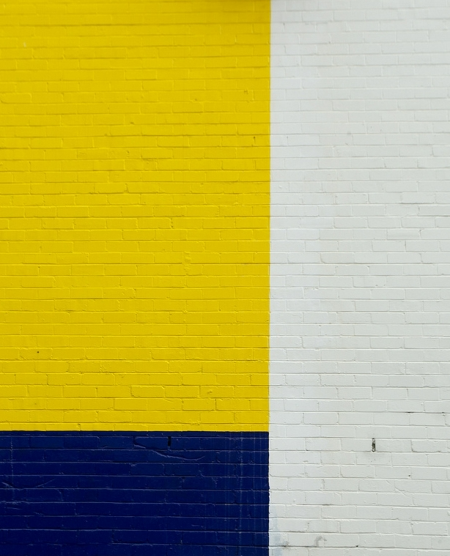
(134, 204)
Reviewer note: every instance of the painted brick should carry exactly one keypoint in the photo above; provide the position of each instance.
(122, 493)
(134, 196)
(359, 251)
(134, 277)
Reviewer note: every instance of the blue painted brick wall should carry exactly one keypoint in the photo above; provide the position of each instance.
(133, 494)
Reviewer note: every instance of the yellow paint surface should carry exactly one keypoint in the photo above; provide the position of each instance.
(134, 205)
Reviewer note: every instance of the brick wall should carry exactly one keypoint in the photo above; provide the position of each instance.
(123, 493)
(134, 195)
(360, 274)
(134, 277)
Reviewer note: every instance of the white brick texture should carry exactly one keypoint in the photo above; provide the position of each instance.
(360, 278)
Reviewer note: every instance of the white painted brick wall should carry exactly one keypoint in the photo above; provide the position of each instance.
(360, 333)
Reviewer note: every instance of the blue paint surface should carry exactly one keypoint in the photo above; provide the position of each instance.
(133, 494)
